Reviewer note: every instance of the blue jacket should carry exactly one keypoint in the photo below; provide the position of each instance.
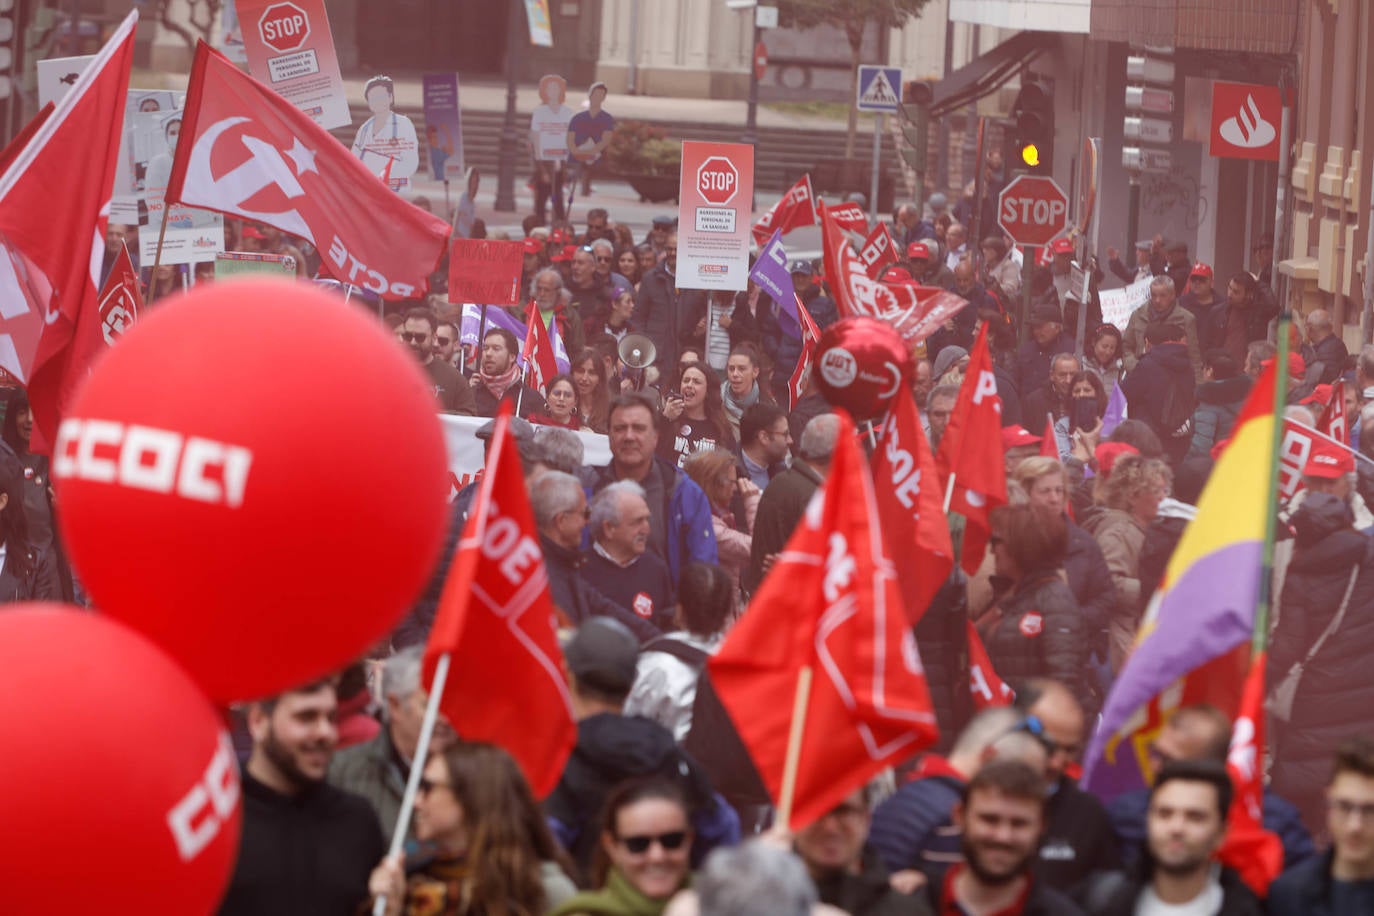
(1128, 813)
(689, 533)
(904, 830)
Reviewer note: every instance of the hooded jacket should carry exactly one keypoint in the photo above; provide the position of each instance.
(1335, 697)
(1218, 405)
(1167, 366)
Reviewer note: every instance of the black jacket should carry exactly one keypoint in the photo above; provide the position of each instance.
(1078, 839)
(576, 597)
(1304, 890)
(1090, 582)
(1335, 698)
(1033, 364)
(661, 312)
(1041, 633)
(1212, 332)
(1325, 361)
(1147, 385)
(531, 401)
(310, 855)
(780, 508)
(868, 893)
(1116, 895)
(1041, 900)
(942, 641)
(1218, 405)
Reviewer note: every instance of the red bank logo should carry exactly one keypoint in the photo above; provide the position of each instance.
(156, 460)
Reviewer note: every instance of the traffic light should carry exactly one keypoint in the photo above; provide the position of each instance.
(1033, 128)
(916, 98)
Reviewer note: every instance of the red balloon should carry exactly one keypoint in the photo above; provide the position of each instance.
(255, 478)
(860, 365)
(110, 748)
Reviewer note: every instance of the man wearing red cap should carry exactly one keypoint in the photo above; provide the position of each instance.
(1019, 444)
(1201, 297)
(923, 260)
(1329, 469)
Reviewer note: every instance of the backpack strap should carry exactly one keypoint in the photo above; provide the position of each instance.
(679, 649)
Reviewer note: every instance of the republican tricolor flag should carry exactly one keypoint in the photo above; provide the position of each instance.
(54, 206)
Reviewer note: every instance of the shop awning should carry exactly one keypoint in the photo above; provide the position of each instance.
(989, 71)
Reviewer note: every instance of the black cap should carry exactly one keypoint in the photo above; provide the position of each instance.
(603, 654)
(800, 267)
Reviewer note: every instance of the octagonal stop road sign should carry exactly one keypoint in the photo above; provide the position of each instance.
(1033, 209)
(718, 180)
(284, 27)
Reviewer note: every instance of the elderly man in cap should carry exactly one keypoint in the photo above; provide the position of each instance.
(926, 267)
(1047, 340)
(601, 659)
(659, 230)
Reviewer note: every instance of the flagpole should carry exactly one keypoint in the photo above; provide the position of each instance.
(161, 236)
(417, 768)
(794, 741)
(1265, 604)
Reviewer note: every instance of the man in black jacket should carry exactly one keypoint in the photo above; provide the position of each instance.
(848, 874)
(1160, 388)
(307, 848)
(1187, 824)
(1324, 352)
(1342, 881)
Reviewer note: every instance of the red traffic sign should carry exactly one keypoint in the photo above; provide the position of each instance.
(717, 180)
(284, 27)
(760, 60)
(1032, 210)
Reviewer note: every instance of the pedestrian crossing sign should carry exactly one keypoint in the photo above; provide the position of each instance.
(880, 88)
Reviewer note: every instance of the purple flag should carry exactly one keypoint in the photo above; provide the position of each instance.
(770, 273)
(470, 331)
(1116, 411)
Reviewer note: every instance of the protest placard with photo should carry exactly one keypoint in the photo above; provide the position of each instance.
(443, 126)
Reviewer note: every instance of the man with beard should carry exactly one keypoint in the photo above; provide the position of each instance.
(1187, 824)
(1001, 817)
(498, 378)
(450, 390)
(307, 848)
(847, 872)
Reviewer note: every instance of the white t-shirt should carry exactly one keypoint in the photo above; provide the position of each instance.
(1207, 903)
(549, 132)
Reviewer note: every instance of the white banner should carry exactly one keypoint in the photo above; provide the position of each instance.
(1117, 304)
(467, 453)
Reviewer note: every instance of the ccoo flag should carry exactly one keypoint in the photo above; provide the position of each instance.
(1193, 644)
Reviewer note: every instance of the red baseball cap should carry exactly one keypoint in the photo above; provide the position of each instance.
(566, 254)
(1062, 245)
(558, 236)
(897, 275)
(1320, 395)
(918, 250)
(1107, 453)
(533, 246)
(1328, 461)
(1015, 436)
(1201, 270)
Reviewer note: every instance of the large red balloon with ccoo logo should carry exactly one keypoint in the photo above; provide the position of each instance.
(255, 477)
(121, 788)
(860, 365)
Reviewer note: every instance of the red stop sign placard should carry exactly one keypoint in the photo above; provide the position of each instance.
(284, 27)
(1033, 209)
(717, 180)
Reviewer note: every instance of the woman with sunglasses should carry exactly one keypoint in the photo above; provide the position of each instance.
(564, 405)
(493, 851)
(694, 417)
(645, 853)
(593, 397)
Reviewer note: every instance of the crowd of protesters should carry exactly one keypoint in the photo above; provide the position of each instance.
(652, 557)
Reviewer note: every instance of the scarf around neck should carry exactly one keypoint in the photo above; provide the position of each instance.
(736, 408)
(498, 385)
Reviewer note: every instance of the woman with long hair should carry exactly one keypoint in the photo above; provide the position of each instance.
(627, 265)
(715, 472)
(594, 397)
(693, 416)
(645, 852)
(563, 402)
(27, 573)
(494, 853)
(1103, 355)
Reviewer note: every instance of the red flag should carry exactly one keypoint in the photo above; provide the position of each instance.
(849, 216)
(988, 689)
(54, 206)
(1049, 444)
(830, 603)
(496, 621)
(540, 364)
(795, 209)
(26, 133)
(879, 250)
(971, 453)
(1251, 851)
(1333, 421)
(796, 386)
(248, 152)
(910, 505)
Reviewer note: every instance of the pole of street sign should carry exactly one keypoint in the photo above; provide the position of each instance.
(1027, 272)
(505, 172)
(877, 158)
(1133, 217)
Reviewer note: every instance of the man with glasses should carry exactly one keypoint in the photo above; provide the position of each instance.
(598, 222)
(765, 442)
(451, 390)
(604, 252)
(847, 872)
(1200, 732)
(561, 513)
(446, 342)
(1342, 880)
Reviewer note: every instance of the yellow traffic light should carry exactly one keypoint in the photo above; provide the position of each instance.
(1030, 155)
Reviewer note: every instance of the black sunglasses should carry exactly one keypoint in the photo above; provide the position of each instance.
(410, 337)
(641, 844)
(443, 341)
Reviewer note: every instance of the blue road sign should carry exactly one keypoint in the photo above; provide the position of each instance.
(880, 88)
